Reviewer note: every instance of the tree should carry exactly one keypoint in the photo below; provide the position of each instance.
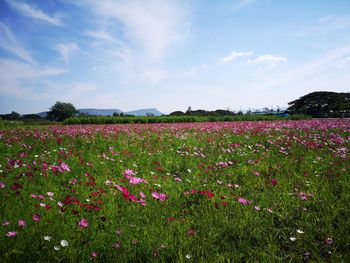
(61, 111)
(321, 104)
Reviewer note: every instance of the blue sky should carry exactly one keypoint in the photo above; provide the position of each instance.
(169, 54)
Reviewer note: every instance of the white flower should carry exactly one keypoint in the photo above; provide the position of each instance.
(300, 231)
(64, 243)
(188, 256)
(59, 203)
(47, 238)
(50, 194)
(57, 247)
(293, 238)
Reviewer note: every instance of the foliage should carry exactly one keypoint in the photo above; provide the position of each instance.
(176, 119)
(322, 104)
(193, 192)
(61, 111)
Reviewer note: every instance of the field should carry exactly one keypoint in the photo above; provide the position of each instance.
(262, 191)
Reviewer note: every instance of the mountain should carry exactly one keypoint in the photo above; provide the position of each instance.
(99, 112)
(109, 112)
(145, 112)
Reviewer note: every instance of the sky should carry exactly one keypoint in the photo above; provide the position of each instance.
(170, 54)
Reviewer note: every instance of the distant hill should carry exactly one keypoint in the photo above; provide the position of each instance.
(99, 112)
(109, 112)
(144, 112)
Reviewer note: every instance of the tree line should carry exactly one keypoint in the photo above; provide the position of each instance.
(319, 104)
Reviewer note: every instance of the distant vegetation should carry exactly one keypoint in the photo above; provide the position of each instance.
(177, 119)
(322, 104)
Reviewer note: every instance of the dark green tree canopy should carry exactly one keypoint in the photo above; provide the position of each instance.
(61, 111)
(322, 104)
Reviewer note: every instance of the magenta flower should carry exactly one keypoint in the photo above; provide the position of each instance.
(274, 182)
(135, 180)
(129, 172)
(160, 196)
(11, 234)
(83, 223)
(243, 201)
(64, 167)
(21, 223)
(36, 217)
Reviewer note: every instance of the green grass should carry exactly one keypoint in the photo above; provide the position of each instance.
(177, 119)
(190, 225)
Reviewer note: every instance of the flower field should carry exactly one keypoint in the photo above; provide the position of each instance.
(190, 192)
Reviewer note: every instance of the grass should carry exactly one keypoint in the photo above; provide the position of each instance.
(177, 119)
(242, 192)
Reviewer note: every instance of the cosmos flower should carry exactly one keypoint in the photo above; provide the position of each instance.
(83, 223)
(21, 223)
(64, 243)
(11, 234)
(36, 217)
(160, 196)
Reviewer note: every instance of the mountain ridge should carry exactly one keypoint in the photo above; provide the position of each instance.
(109, 112)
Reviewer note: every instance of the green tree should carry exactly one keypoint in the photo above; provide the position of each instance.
(321, 104)
(61, 111)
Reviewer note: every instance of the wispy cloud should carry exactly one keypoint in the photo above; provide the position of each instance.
(9, 42)
(66, 50)
(325, 24)
(243, 3)
(268, 59)
(100, 35)
(35, 13)
(154, 26)
(234, 55)
(15, 76)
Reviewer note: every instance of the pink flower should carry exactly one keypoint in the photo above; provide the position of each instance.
(11, 234)
(274, 182)
(64, 167)
(257, 208)
(2, 185)
(135, 180)
(129, 172)
(73, 181)
(243, 201)
(329, 241)
(6, 223)
(94, 254)
(36, 217)
(83, 223)
(142, 195)
(21, 223)
(116, 245)
(160, 196)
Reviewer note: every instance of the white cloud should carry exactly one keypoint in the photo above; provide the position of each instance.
(268, 59)
(9, 42)
(27, 10)
(325, 24)
(153, 25)
(347, 59)
(243, 3)
(234, 55)
(66, 51)
(100, 35)
(14, 76)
